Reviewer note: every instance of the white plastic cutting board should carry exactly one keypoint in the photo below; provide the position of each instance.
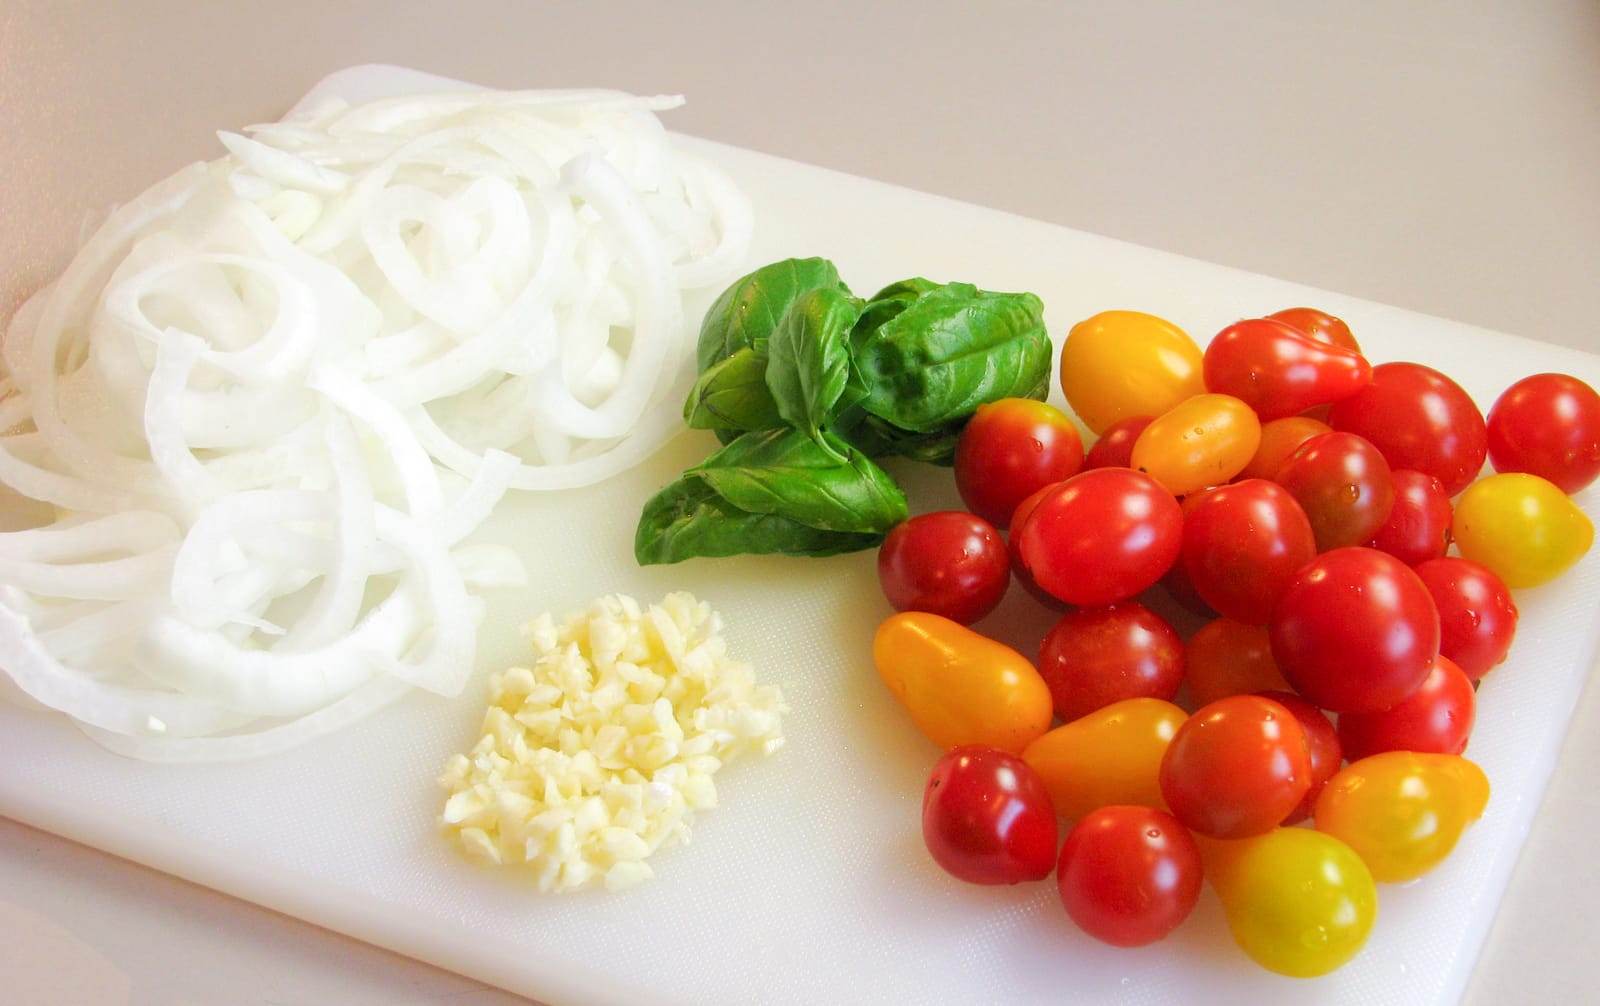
(810, 883)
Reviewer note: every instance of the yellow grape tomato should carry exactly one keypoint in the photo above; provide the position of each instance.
(1121, 364)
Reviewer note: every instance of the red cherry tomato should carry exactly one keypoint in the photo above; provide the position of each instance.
(1418, 527)
(1114, 449)
(950, 563)
(1279, 371)
(1322, 746)
(1548, 425)
(1011, 449)
(1477, 616)
(1236, 768)
(1096, 656)
(1434, 719)
(1229, 658)
(987, 817)
(1419, 419)
(1242, 544)
(1101, 536)
(1129, 875)
(1343, 484)
(1319, 325)
(1356, 631)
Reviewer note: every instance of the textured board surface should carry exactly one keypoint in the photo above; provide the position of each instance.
(810, 883)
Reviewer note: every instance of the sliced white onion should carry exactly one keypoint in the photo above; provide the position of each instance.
(272, 398)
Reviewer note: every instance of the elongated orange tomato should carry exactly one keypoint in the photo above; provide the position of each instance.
(1110, 757)
(1204, 441)
(1119, 364)
(961, 687)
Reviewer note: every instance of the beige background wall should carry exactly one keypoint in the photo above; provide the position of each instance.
(1443, 156)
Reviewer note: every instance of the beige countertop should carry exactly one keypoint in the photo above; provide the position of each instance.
(1441, 156)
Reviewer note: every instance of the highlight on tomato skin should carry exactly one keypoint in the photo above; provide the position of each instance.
(1101, 536)
(1420, 419)
(1114, 449)
(1094, 657)
(1547, 425)
(1356, 631)
(949, 563)
(1128, 876)
(987, 818)
(1011, 449)
(1418, 526)
(1236, 768)
(1319, 325)
(1278, 370)
(1344, 485)
(1477, 614)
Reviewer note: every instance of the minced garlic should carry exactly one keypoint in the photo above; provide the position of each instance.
(600, 753)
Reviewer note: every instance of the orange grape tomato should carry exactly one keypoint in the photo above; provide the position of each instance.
(1203, 441)
(1230, 658)
(1279, 439)
(961, 687)
(1121, 364)
(1110, 757)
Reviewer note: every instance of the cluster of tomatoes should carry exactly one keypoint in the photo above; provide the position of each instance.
(1304, 501)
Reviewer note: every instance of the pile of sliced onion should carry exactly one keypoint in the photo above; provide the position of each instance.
(270, 399)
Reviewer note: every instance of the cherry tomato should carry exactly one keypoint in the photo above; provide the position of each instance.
(1436, 718)
(1204, 441)
(1114, 449)
(1356, 631)
(1322, 746)
(1011, 449)
(1242, 544)
(949, 563)
(1279, 439)
(1230, 658)
(1319, 325)
(1419, 419)
(1343, 484)
(1119, 364)
(1418, 526)
(1096, 656)
(1236, 768)
(1522, 527)
(960, 687)
(1111, 756)
(1279, 371)
(1401, 811)
(1129, 875)
(1547, 425)
(1477, 617)
(1101, 536)
(987, 819)
(1023, 512)
(1298, 902)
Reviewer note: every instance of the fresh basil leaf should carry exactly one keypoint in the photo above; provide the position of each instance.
(876, 439)
(751, 308)
(688, 519)
(808, 359)
(733, 395)
(949, 351)
(786, 472)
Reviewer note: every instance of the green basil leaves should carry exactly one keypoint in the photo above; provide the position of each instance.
(804, 385)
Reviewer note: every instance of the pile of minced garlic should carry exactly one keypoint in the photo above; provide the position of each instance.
(601, 752)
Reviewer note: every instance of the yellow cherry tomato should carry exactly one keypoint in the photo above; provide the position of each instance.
(1121, 364)
(961, 687)
(1203, 441)
(1401, 811)
(1109, 757)
(1522, 527)
(1299, 902)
